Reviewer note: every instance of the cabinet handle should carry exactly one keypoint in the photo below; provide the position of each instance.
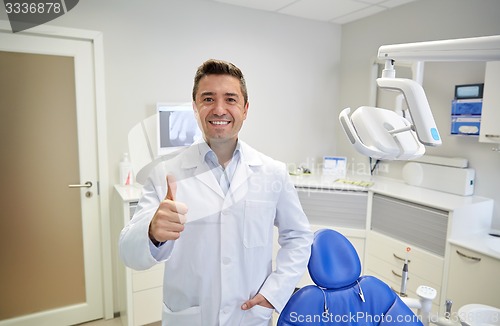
(399, 258)
(399, 275)
(468, 257)
(491, 136)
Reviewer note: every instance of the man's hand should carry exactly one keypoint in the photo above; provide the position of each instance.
(260, 300)
(168, 221)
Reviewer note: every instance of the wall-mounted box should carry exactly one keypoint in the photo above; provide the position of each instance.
(466, 116)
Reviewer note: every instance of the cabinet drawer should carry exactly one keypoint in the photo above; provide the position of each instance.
(427, 266)
(151, 278)
(392, 275)
(411, 291)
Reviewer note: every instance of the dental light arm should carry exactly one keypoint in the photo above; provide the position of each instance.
(418, 106)
(383, 134)
(485, 48)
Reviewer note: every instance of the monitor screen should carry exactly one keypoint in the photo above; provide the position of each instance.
(177, 126)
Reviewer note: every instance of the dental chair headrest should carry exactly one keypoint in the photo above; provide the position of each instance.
(334, 262)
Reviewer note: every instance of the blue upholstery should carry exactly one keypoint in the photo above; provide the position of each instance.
(337, 297)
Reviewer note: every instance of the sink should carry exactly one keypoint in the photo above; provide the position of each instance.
(479, 315)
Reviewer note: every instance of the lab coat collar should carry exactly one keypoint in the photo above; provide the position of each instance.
(194, 158)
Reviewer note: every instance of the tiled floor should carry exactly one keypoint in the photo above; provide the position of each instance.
(112, 322)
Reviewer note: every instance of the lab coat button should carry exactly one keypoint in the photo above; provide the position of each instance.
(226, 260)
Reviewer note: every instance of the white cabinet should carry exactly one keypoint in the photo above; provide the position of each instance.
(425, 221)
(138, 293)
(473, 278)
(397, 225)
(490, 116)
(385, 258)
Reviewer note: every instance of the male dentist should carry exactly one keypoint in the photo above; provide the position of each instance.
(208, 214)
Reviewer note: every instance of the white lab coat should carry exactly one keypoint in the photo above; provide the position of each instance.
(224, 255)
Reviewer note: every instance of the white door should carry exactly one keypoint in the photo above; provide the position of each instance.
(50, 234)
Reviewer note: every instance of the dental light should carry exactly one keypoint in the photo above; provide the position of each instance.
(383, 134)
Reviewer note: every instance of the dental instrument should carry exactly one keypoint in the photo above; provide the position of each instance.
(404, 274)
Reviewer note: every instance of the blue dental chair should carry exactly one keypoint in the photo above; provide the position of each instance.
(341, 296)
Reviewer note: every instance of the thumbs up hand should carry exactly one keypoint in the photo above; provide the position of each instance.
(168, 221)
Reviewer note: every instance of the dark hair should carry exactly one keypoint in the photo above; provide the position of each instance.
(219, 67)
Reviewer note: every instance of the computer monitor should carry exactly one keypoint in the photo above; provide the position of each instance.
(177, 127)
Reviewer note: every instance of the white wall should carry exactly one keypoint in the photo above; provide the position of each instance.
(153, 48)
(425, 20)
(296, 69)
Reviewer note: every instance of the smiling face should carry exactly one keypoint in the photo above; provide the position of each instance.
(220, 108)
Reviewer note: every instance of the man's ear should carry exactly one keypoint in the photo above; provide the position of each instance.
(195, 108)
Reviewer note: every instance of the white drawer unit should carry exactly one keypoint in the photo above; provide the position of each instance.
(139, 293)
(385, 258)
(397, 225)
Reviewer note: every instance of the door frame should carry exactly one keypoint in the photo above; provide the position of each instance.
(96, 39)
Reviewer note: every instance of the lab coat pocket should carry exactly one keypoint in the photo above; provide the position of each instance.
(258, 223)
(189, 316)
(257, 316)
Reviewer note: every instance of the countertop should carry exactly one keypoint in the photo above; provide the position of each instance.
(479, 240)
(129, 193)
(390, 187)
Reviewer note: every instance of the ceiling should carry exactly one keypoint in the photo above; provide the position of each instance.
(334, 11)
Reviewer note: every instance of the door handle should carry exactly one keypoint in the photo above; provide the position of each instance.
(87, 184)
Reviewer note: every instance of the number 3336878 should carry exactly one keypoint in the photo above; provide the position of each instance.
(33, 8)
